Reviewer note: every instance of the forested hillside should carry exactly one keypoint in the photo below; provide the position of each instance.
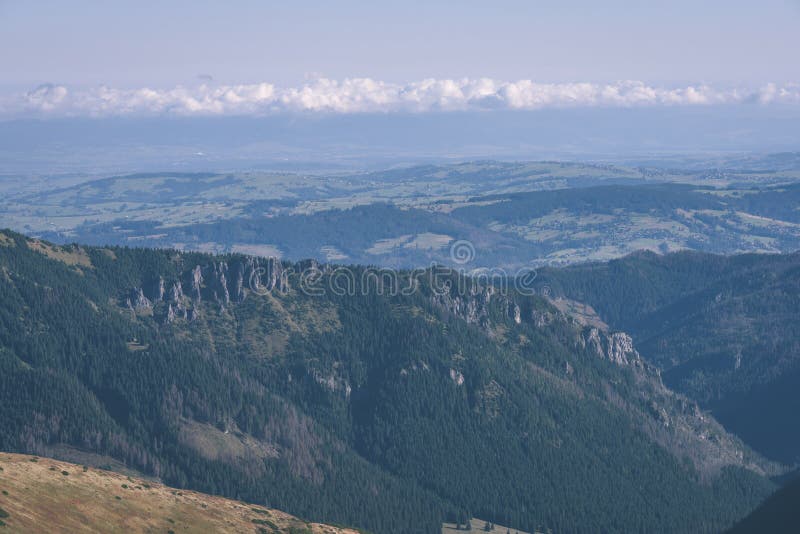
(724, 331)
(780, 514)
(388, 402)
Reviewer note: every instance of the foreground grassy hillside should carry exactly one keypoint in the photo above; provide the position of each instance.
(45, 495)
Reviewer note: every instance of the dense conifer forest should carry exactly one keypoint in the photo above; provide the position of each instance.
(722, 329)
(340, 398)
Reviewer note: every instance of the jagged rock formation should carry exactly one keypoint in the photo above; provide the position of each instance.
(170, 314)
(160, 290)
(274, 275)
(238, 286)
(259, 275)
(472, 307)
(177, 293)
(332, 382)
(139, 301)
(620, 349)
(457, 377)
(222, 282)
(542, 318)
(616, 347)
(197, 282)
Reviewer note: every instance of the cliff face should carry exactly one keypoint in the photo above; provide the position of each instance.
(723, 330)
(616, 347)
(672, 420)
(220, 282)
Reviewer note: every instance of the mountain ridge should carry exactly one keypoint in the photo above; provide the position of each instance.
(472, 400)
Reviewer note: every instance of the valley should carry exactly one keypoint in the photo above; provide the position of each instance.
(722, 330)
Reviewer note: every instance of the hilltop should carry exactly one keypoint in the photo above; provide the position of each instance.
(43, 494)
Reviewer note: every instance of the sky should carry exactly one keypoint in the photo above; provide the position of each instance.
(164, 44)
(506, 60)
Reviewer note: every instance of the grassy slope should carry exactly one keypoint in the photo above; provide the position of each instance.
(39, 497)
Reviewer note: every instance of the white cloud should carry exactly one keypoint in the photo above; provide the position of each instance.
(46, 97)
(360, 95)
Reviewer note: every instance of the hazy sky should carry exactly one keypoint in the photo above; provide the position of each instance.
(514, 78)
(167, 43)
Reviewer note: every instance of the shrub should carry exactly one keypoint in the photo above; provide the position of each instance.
(266, 522)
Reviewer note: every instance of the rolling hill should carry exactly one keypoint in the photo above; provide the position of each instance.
(514, 214)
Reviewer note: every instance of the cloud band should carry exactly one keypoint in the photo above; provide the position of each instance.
(365, 95)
